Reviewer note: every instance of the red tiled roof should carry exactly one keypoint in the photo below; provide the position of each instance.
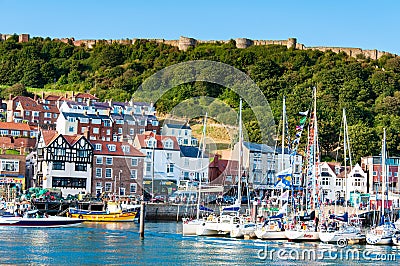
(72, 139)
(29, 104)
(159, 138)
(48, 136)
(14, 126)
(118, 149)
(54, 98)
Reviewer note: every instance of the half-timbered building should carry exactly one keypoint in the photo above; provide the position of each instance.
(64, 162)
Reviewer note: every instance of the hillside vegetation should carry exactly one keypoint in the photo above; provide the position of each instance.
(368, 89)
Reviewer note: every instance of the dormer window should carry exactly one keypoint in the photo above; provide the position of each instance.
(111, 147)
(168, 144)
(151, 143)
(98, 147)
(126, 149)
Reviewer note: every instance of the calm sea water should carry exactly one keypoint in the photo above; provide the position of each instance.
(119, 244)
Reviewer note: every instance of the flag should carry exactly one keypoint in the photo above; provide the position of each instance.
(285, 195)
(305, 113)
(299, 127)
(303, 120)
(285, 177)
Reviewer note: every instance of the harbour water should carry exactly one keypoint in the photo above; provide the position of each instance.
(119, 244)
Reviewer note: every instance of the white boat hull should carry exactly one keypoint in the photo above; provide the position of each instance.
(295, 235)
(336, 237)
(189, 228)
(273, 235)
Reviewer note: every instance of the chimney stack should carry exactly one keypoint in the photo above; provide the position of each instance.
(86, 134)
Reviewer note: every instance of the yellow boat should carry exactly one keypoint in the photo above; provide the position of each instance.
(113, 213)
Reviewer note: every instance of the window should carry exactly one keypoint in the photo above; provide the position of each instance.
(151, 143)
(154, 123)
(36, 113)
(108, 172)
(186, 163)
(4, 132)
(84, 120)
(109, 160)
(111, 147)
(132, 188)
(99, 160)
(99, 172)
(57, 165)
(185, 142)
(80, 167)
(108, 187)
(148, 167)
(122, 191)
(47, 115)
(107, 123)
(170, 168)
(168, 144)
(169, 156)
(126, 148)
(186, 175)
(325, 181)
(131, 131)
(83, 129)
(133, 174)
(108, 131)
(54, 115)
(95, 130)
(9, 166)
(71, 119)
(141, 131)
(97, 146)
(27, 113)
(71, 129)
(96, 121)
(120, 122)
(374, 173)
(338, 182)
(134, 161)
(15, 132)
(120, 130)
(149, 154)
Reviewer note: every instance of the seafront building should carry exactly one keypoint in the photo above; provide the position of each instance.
(117, 169)
(64, 162)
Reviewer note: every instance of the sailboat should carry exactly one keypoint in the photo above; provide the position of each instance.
(272, 228)
(386, 231)
(189, 226)
(346, 233)
(306, 227)
(229, 219)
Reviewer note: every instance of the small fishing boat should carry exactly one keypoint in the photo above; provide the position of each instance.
(113, 213)
(35, 219)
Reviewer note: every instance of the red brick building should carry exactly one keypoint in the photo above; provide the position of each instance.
(117, 168)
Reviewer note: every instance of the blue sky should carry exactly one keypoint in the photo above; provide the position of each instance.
(365, 24)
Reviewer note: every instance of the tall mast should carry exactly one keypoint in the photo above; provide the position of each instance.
(283, 133)
(383, 171)
(203, 149)
(240, 155)
(345, 157)
(315, 150)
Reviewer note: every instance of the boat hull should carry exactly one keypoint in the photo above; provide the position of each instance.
(189, 228)
(336, 237)
(39, 222)
(102, 216)
(294, 235)
(272, 235)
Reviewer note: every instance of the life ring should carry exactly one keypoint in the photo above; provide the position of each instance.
(80, 216)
